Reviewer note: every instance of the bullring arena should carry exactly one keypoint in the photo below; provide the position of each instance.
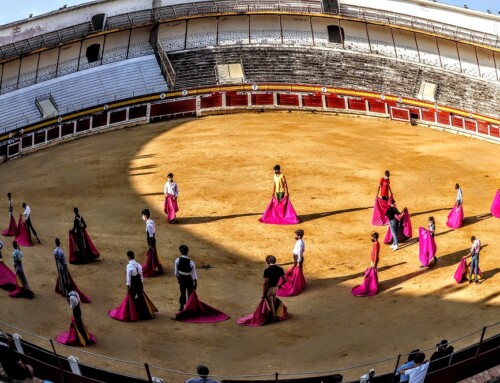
(110, 158)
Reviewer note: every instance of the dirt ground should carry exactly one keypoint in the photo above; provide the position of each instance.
(223, 166)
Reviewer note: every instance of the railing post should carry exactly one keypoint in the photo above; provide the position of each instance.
(395, 368)
(480, 342)
(150, 379)
(58, 361)
(276, 376)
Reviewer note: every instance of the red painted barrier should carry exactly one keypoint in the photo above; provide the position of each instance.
(457, 122)
(335, 102)
(53, 133)
(235, 99)
(27, 141)
(482, 127)
(357, 104)
(470, 125)
(428, 115)
(83, 125)
(69, 127)
(263, 99)
(400, 114)
(494, 131)
(376, 106)
(211, 101)
(443, 118)
(312, 101)
(288, 99)
(100, 119)
(173, 107)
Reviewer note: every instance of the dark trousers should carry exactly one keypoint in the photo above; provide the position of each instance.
(30, 227)
(186, 284)
(77, 314)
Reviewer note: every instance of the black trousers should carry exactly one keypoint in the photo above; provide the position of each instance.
(77, 314)
(186, 285)
(30, 227)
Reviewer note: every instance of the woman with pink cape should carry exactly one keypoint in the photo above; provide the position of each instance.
(23, 236)
(171, 192)
(369, 287)
(294, 276)
(495, 206)
(427, 245)
(78, 335)
(404, 230)
(280, 210)
(12, 230)
(195, 311)
(456, 215)
(136, 305)
(22, 289)
(7, 277)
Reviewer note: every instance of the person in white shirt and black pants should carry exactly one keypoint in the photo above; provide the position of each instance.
(151, 236)
(27, 218)
(135, 287)
(185, 271)
(74, 304)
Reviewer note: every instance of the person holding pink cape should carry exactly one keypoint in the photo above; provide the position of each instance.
(370, 282)
(22, 287)
(12, 229)
(171, 191)
(295, 281)
(456, 215)
(152, 267)
(474, 253)
(495, 206)
(427, 245)
(280, 210)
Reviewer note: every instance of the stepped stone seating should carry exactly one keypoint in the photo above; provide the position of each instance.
(79, 90)
(342, 69)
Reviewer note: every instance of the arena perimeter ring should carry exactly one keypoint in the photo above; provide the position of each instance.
(223, 166)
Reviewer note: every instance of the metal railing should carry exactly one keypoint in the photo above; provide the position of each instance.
(166, 66)
(436, 27)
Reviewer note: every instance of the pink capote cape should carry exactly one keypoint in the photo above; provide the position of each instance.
(262, 314)
(379, 209)
(280, 213)
(495, 206)
(19, 292)
(73, 337)
(426, 246)
(127, 311)
(90, 254)
(152, 266)
(195, 311)
(170, 207)
(369, 286)
(295, 282)
(461, 273)
(407, 229)
(12, 230)
(23, 237)
(7, 277)
(455, 217)
(83, 298)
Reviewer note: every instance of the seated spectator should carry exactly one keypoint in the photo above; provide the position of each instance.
(418, 372)
(203, 376)
(442, 355)
(12, 365)
(410, 363)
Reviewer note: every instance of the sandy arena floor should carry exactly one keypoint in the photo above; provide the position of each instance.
(223, 166)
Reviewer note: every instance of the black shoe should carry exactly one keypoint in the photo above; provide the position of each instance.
(477, 282)
(38, 240)
(435, 260)
(470, 280)
(181, 308)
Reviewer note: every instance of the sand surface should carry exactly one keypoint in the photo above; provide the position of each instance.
(223, 166)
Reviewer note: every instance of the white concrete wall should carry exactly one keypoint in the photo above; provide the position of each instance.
(320, 32)
(10, 69)
(29, 64)
(356, 38)
(201, 33)
(265, 29)
(172, 35)
(441, 13)
(381, 40)
(68, 17)
(468, 59)
(296, 30)
(234, 30)
(487, 64)
(406, 46)
(449, 54)
(49, 57)
(428, 49)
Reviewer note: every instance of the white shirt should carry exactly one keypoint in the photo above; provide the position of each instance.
(299, 249)
(476, 247)
(27, 212)
(132, 269)
(459, 195)
(59, 256)
(178, 273)
(171, 188)
(150, 227)
(417, 374)
(74, 299)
